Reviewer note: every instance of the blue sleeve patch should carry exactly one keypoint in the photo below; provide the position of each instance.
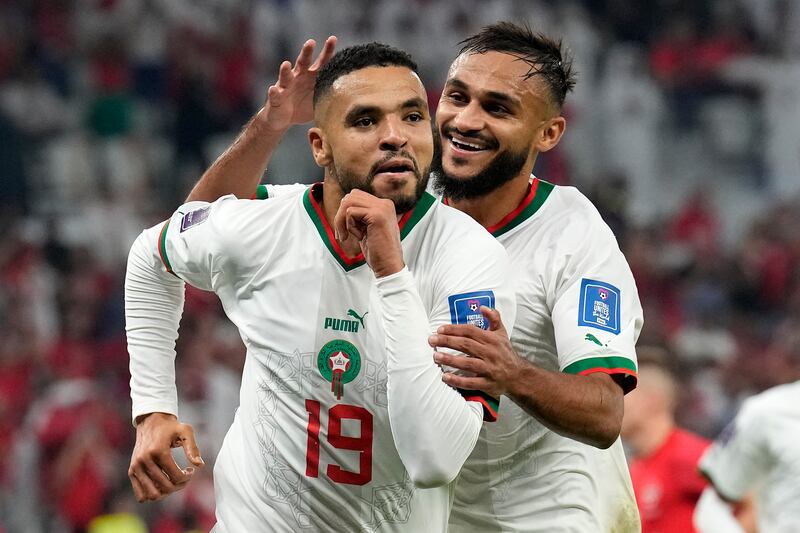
(466, 308)
(193, 218)
(599, 306)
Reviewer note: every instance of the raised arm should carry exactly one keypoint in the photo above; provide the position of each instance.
(289, 101)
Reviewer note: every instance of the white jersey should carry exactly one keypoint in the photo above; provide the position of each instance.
(578, 311)
(759, 452)
(311, 447)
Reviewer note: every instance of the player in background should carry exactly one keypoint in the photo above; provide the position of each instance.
(664, 457)
(343, 424)
(757, 457)
(553, 462)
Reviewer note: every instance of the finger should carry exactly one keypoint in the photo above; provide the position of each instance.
(340, 220)
(304, 57)
(173, 471)
(460, 344)
(355, 221)
(459, 362)
(149, 490)
(493, 316)
(138, 490)
(285, 75)
(326, 54)
(467, 383)
(158, 477)
(468, 331)
(187, 440)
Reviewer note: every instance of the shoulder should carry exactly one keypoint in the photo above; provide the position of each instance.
(573, 211)
(770, 401)
(456, 229)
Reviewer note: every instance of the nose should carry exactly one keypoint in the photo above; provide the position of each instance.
(393, 136)
(469, 118)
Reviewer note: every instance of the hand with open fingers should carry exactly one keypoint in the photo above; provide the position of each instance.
(153, 471)
(373, 222)
(492, 363)
(290, 99)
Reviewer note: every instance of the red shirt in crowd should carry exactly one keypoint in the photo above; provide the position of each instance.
(667, 483)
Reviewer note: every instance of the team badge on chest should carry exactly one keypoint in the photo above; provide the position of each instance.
(339, 362)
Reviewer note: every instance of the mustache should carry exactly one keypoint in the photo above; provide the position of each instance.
(490, 142)
(391, 155)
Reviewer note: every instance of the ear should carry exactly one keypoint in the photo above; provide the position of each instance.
(320, 149)
(550, 133)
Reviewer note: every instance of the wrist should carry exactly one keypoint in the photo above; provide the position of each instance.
(154, 416)
(389, 269)
(264, 121)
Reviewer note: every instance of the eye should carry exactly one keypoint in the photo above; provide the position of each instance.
(456, 96)
(364, 122)
(415, 117)
(496, 109)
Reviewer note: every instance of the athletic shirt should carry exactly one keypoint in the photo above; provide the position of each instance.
(311, 447)
(578, 311)
(760, 452)
(668, 484)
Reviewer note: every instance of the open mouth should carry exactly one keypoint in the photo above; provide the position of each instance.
(467, 145)
(395, 166)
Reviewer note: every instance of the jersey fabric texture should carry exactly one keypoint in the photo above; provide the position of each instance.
(759, 452)
(667, 483)
(311, 447)
(578, 311)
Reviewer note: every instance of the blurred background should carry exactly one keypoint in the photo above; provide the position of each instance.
(684, 129)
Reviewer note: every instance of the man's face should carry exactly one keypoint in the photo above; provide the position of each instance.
(376, 134)
(488, 118)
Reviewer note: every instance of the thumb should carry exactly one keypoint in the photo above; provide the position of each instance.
(493, 316)
(189, 444)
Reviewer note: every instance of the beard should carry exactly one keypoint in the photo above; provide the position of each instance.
(403, 201)
(503, 168)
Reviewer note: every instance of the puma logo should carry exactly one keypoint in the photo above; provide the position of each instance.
(355, 315)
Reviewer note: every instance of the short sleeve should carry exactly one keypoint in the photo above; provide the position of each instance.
(597, 315)
(194, 243)
(736, 461)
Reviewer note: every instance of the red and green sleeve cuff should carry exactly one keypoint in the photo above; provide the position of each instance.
(162, 247)
(489, 403)
(622, 369)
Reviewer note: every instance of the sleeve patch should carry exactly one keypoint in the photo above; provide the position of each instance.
(465, 308)
(599, 306)
(489, 403)
(193, 218)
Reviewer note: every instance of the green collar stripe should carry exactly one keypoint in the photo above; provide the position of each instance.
(326, 233)
(407, 223)
(262, 193)
(621, 365)
(162, 247)
(540, 190)
(410, 219)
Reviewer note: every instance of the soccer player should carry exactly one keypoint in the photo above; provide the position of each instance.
(344, 423)
(757, 453)
(664, 463)
(553, 460)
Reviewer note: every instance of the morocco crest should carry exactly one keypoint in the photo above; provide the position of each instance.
(339, 362)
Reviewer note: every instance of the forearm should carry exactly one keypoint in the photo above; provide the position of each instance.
(434, 428)
(153, 307)
(585, 408)
(239, 169)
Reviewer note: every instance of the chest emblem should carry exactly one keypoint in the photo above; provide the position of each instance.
(339, 362)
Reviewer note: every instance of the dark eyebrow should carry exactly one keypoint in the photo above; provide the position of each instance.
(361, 110)
(499, 97)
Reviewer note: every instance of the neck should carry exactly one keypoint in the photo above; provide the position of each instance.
(490, 209)
(651, 436)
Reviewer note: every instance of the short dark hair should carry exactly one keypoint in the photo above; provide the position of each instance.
(546, 57)
(358, 57)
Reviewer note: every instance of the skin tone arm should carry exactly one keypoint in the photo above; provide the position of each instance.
(585, 408)
(289, 101)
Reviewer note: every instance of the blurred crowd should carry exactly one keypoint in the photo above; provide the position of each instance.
(684, 131)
